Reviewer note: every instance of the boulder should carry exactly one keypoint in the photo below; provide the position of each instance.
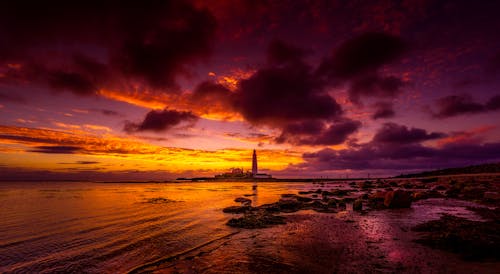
(397, 199)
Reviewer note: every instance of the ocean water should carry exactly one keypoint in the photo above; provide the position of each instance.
(114, 227)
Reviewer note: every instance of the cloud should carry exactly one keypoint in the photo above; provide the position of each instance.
(315, 133)
(161, 120)
(357, 62)
(383, 110)
(399, 158)
(280, 52)
(376, 86)
(56, 149)
(81, 163)
(392, 133)
(12, 98)
(493, 103)
(146, 44)
(455, 105)
(362, 54)
(277, 95)
(107, 112)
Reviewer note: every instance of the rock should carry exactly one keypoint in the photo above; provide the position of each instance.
(244, 201)
(237, 209)
(332, 203)
(260, 219)
(326, 193)
(376, 200)
(340, 192)
(490, 195)
(473, 193)
(434, 194)
(270, 207)
(419, 195)
(453, 192)
(248, 195)
(439, 187)
(365, 196)
(366, 184)
(303, 199)
(289, 205)
(472, 239)
(357, 205)
(288, 195)
(305, 192)
(393, 183)
(408, 186)
(397, 199)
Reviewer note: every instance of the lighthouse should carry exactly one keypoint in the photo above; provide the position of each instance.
(254, 163)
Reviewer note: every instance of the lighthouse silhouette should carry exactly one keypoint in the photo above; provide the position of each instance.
(254, 163)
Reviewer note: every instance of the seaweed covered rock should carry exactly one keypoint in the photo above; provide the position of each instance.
(258, 219)
(473, 240)
(237, 209)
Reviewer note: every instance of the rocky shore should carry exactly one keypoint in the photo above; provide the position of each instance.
(474, 240)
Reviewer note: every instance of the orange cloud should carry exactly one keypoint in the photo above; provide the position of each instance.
(120, 153)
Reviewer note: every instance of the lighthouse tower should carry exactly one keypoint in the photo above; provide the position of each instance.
(254, 163)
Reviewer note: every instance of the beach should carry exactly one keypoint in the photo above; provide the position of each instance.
(181, 227)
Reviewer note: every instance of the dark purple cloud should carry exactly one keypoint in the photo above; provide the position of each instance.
(376, 86)
(277, 95)
(493, 103)
(280, 94)
(280, 52)
(455, 105)
(81, 163)
(161, 120)
(383, 110)
(316, 133)
(392, 133)
(151, 42)
(357, 62)
(56, 149)
(365, 53)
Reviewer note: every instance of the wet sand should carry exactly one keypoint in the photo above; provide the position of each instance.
(345, 242)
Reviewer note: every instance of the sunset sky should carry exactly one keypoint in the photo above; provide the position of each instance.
(130, 90)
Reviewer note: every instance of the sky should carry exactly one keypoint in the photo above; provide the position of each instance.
(151, 90)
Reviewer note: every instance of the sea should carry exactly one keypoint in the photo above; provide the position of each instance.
(48, 227)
